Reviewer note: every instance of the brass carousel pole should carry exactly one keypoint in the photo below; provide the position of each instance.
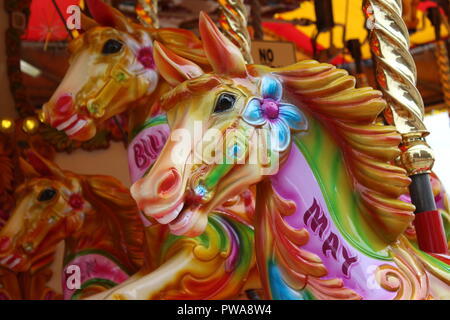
(396, 75)
(147, 12)
(233, 22)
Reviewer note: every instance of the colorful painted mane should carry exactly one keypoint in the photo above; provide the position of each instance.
(95, 217)
(328, 221)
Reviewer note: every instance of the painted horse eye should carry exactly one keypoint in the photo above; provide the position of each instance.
(224, 103)
(112, 46)
(46, 195)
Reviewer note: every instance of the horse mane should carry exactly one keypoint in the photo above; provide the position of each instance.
(369, 148)
(110, 198)
(182, 42)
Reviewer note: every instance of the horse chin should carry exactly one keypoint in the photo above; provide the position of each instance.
(191, 222)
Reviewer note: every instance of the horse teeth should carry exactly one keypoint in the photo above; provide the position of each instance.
(67, 123)
(171, 216)
(184, 220)
(6, 259)
(77, 127)
(15, 263)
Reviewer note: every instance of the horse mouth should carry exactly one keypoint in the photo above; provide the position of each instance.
(73, 125)
(182, 218)
(188, 221)
(171, 214)
(76, 127)
(13, 261)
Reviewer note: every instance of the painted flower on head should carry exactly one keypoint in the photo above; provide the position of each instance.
(269, 111)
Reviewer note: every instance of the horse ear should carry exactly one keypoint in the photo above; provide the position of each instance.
(107, 16)
(173, 68)
(27, 169)
(43, 166)
(223, 55)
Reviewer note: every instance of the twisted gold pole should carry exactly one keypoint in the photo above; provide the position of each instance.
(233, 22)
(444, 70)
(147, 12)
(397, 75)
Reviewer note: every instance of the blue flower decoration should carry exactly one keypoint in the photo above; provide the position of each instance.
(269, 111)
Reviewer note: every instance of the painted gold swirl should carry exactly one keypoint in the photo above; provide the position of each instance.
(397, 75)
(408, 278)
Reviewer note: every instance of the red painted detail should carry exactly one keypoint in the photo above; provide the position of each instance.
(170, 181)
(443, 258)
(4, 243)
(430, 232)
(145, 57)
(76, 201)
(64, 104)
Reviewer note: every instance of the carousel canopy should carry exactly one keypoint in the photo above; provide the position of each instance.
(45, 23)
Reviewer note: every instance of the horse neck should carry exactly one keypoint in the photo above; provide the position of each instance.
(315, 172)
(102, 234)
(297, 217)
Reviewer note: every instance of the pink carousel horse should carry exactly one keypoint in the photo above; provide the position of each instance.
(122, 76)
(328, 224)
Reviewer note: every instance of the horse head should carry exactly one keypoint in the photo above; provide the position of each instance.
(111, 66)
(229, 129)
(112, 70)
(49, 208)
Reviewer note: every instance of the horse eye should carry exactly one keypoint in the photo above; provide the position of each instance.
(112, 46)
(47, 194)
(225, 102)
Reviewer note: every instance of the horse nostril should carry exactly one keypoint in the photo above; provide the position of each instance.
(28, 247)
(4, 243)
(170, 181)
(64, 104)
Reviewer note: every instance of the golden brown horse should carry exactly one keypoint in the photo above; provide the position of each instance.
(112, 70)
(95, 217)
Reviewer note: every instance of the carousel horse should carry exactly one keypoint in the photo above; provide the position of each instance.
(95, 216)
(98, 46)
(328, 223)
(112, 70)
(122, 76)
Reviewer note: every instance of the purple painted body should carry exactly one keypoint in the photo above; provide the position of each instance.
(341, 259)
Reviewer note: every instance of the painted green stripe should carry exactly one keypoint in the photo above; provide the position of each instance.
(319, 143)
(151, 122)
(341, 200)
(106, 283)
